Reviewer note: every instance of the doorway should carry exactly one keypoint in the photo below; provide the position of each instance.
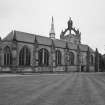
(82, 68)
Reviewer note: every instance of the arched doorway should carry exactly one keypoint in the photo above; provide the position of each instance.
(82, 68)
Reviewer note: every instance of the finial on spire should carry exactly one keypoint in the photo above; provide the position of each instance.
(14, 35)
(69, 18)
(70, 24)
(52, 31)
(52, 19)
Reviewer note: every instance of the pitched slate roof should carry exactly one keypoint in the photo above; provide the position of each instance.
(27, 37)
(44, 40)
(72, 46)
(59, 43)
(91, 50)
(83, 47)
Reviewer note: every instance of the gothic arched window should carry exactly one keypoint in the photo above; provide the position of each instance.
(58, 57)
(43, 57)
(24, 56)
(91, 60)
(71, 58)
(7, 56)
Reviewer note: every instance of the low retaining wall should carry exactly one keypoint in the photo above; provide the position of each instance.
(42, 69)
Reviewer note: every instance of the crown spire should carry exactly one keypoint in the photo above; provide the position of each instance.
(52, 30)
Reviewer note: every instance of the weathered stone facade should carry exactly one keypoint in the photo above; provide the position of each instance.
(24, 52)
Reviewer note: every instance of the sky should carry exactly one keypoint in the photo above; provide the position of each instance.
(34, 16)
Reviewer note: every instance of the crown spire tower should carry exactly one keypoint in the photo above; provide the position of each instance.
(52, 30)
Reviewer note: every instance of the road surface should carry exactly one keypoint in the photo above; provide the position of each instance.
(53, 89)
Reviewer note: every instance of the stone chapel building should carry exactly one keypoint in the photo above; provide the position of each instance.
(25, 52)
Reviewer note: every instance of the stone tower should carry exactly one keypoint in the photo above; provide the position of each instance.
(52, 31)
(74, 35)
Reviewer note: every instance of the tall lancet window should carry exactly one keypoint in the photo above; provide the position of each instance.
(7, 56)
(58, 57)
(43, 57)
(24, 56)
(91, 60)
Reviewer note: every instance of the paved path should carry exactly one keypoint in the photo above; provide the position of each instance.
(53, 89)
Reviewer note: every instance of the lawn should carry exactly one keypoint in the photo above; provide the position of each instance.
(53, 89)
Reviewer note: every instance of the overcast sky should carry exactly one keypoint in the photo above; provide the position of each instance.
(34, 16)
